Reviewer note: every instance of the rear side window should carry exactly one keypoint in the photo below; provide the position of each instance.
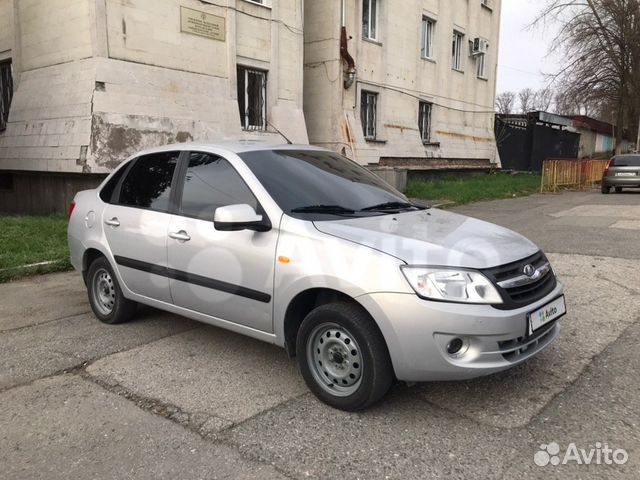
(148, 183)
(106, 193)
(626, 161)
(212, 182)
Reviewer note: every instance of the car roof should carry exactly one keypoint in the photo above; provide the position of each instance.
(241, 146)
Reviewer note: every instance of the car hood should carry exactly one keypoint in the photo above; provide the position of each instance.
(434, 237)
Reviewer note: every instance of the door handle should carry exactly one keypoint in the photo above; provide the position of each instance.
(181, 236)
(114, 222)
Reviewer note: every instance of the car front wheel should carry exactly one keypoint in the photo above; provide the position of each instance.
(105, 296)
(343, 357)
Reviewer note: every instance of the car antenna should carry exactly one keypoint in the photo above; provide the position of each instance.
(289, 142)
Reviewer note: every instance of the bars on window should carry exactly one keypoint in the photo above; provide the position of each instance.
(252, 98)
(424, 121)
(6, 92)
(368, 113)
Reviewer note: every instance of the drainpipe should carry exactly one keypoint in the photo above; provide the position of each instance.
(350, 74)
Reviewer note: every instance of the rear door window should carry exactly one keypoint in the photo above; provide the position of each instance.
(212, 182)
(148, 183)
(626, 161)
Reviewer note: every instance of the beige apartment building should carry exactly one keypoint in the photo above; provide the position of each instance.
(403, 84)
(400, 85)
(89, 82)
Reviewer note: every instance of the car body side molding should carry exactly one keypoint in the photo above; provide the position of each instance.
(194, 279)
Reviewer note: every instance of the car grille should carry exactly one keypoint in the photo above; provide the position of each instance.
(516, 349)
(520, 296)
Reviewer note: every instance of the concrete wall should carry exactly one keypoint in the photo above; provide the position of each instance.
(392, 67)
(98, 80)
(6, 29)
(605, 143)
(593, 143)
(53, 32)
(587, 143)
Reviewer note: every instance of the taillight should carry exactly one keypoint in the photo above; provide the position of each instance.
(606, 169)
(71, 208)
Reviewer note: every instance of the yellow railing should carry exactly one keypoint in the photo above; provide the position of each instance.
(571, 174)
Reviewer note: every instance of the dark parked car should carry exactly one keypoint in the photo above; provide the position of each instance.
(623, 171)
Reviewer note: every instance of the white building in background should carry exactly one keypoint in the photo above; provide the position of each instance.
(89, 82)
(85, 83)
(411, 83)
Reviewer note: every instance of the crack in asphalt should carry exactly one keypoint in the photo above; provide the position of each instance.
(46, 322)
(633, 291)
(195, 422)
(82, 364)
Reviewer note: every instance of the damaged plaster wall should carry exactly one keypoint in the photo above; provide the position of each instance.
(99, 84)
(50, 119)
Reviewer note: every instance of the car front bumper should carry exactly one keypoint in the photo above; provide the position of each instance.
(418, 331)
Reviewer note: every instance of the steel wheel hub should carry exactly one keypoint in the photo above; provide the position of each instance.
(335, 360)
(104, 292)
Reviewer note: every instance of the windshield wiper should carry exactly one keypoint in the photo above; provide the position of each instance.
(328, 209)
(391, 206)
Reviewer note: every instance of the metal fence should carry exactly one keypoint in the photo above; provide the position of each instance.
(571, 174)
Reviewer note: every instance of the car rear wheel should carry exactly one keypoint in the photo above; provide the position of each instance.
(343, 357)
(105, 296)
(605, 190)
(618, 189)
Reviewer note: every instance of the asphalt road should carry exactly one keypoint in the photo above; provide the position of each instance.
(165, 397)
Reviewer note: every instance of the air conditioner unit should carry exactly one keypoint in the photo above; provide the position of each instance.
(480, 46)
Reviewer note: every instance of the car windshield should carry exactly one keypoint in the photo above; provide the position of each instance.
(626, 161)
(321, 185)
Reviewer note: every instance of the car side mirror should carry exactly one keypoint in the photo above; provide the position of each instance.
(234, 218)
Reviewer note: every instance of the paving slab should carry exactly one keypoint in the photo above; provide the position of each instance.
(30, 353)
(66, 427)
(600, 407)
(207, 370)
(42, 299)
(403, 438)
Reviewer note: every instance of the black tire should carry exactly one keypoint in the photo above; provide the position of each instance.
(605, 190)
(103, 287)
(375, 375)
(618, 189)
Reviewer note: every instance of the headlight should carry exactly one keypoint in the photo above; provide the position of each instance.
(452, 285)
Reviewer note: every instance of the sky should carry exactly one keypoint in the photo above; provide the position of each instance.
(523, 52)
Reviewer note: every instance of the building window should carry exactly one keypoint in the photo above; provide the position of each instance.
(456, 51)
(6, 92)
(369, 113)
(424, 121)
(481, 66)
(370, 19)
(252, 98)
(426, 43)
